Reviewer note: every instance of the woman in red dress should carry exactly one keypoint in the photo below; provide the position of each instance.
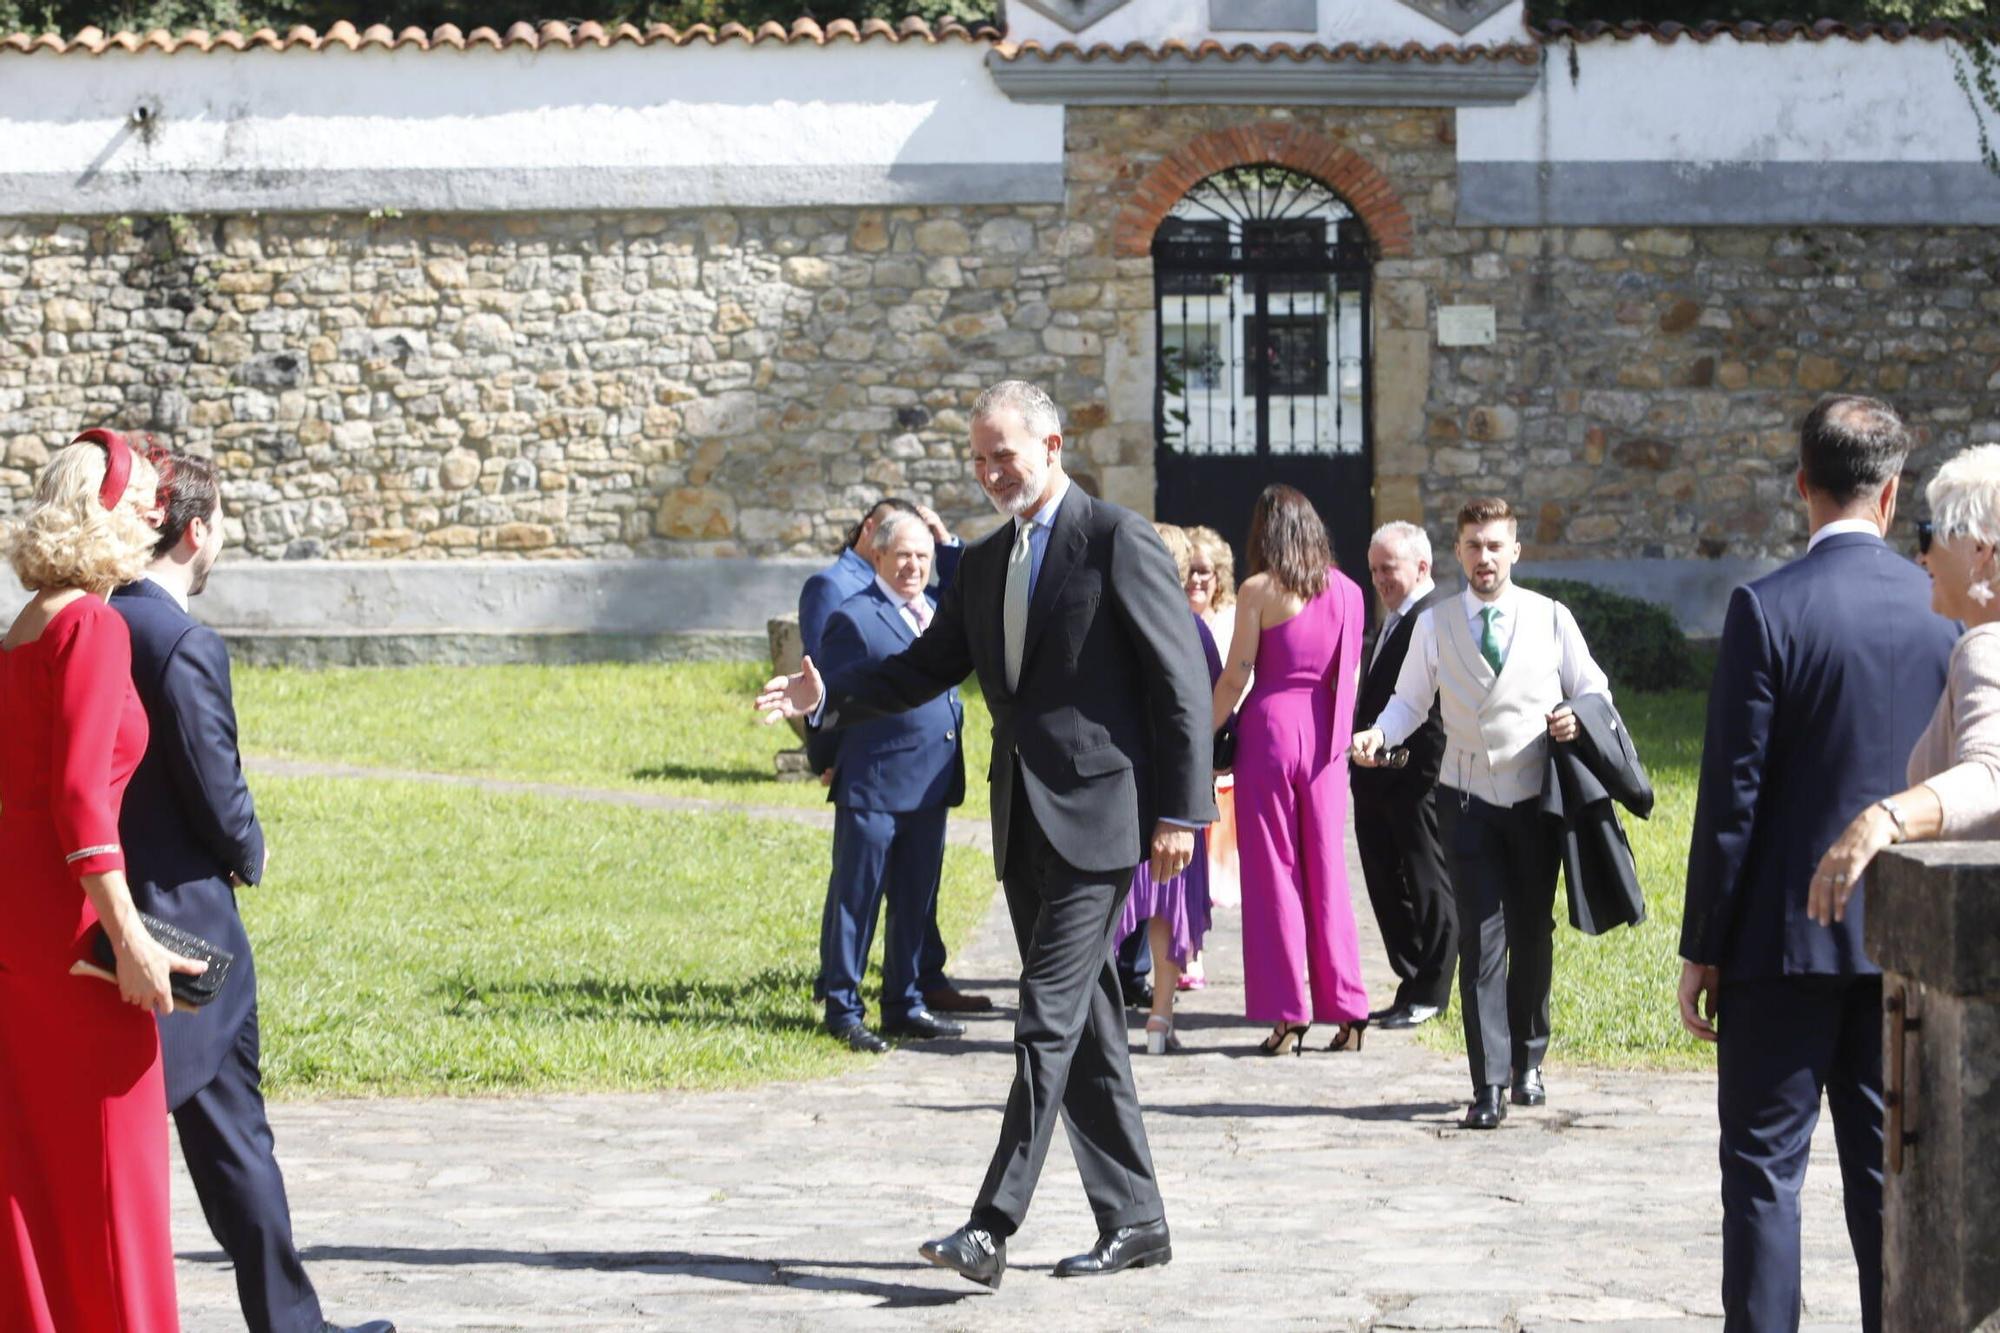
(84, 1241)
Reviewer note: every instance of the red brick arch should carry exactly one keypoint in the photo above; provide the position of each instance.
(1366, 190)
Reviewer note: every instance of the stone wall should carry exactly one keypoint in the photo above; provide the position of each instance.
(683, 384)
(612, 386)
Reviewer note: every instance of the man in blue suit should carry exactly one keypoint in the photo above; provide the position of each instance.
(823, 594)
(894, 779)
(191, 839)
(1828, 673)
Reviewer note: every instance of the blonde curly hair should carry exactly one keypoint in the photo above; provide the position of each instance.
(70, 540)
(1176, 541)
(1211, 544)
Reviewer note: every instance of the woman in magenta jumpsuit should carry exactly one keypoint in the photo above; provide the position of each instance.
(1299, 623)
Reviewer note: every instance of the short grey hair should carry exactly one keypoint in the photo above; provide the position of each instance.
(1964, 496)
(1412, 539)
(893, 522)
(1037, 409)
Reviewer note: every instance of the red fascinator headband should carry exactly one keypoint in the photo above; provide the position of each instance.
(117, 466)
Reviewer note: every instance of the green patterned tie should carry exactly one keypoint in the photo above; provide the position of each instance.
(1489, 647)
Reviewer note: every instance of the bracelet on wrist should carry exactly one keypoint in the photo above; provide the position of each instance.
(1888, 806)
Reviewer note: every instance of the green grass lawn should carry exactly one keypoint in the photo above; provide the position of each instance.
(685, 729)
(1613, 1000)
(419, 939)
(699, 974)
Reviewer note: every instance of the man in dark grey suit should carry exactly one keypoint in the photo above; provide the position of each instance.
(1828, 672)
(1073, 615)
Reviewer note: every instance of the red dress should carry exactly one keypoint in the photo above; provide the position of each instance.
(84, 1239)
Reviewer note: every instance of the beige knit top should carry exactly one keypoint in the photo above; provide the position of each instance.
(1958, 756)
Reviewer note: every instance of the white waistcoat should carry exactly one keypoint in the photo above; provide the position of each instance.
(1496, 728)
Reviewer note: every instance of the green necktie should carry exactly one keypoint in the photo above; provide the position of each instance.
(1489, 647)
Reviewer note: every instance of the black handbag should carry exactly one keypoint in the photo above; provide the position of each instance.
(1225, 745)
(190, 992)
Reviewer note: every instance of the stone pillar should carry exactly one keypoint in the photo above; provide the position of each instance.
(1934, 927)
(787, 651)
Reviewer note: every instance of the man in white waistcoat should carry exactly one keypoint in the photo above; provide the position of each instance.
(1501, 661)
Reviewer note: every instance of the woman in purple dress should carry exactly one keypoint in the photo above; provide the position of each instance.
(1176, 910)
(1298, 627)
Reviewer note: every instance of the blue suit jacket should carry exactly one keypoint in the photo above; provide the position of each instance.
(901, 762)
(188, 823)
(1829, 671)
(827, 590)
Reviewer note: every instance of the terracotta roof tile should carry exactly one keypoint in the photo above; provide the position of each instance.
(94, 41)
(1823, 30)
(1526, 53)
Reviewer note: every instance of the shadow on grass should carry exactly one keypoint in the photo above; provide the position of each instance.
(745, 1269)
(734, 777)
(762, 1001)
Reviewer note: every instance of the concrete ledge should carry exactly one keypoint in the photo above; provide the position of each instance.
(1696, 591)
(470, 649)
(1934, 913)
(1077, 80)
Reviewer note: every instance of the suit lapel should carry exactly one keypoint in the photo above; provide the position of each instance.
(1066, 543)
(891, 613)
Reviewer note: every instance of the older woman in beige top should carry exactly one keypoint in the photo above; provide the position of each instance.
(1955, 770)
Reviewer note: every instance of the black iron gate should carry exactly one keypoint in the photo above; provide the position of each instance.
(1262, 277)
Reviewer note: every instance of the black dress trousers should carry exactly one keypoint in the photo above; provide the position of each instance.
(1504, 863)
(1409, 888)
(1070, 1051)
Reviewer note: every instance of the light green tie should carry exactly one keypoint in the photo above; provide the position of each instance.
(1489, 646)
(1014, 603)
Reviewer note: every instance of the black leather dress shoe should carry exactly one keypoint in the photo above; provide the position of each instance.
(1488, 1109)
(859, 1038)
(1411, 1016)
(372, 1326)
(921, 1024)
(1528, 1089)
(1138, 994)
(1144, 1246)
(974, 1253)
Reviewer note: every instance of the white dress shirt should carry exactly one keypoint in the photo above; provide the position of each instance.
(916, 612)
(1417, 684)
(1840, 526)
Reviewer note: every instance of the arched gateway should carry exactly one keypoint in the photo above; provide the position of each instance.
(1261, 280)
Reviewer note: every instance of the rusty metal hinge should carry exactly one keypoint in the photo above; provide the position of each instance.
(1904, 1022)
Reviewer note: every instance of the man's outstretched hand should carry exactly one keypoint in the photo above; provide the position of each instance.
(785, 697)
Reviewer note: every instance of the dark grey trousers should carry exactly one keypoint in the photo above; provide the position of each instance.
(1070, 1054)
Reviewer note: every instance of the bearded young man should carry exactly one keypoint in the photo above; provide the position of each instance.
(1073, 615)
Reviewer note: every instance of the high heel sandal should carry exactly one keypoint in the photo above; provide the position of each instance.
(1356, 1031)
(1293, 1038)
(1160, 1038)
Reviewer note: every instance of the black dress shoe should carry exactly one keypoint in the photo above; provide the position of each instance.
(372, 1326)
(974, 1253)
(1384, 1015)
(1138, 994)
(1411, 1016)
(1144, 1246)
(921, 1024)
(1528, 1089)
(859, 1038)
(1488, 1109)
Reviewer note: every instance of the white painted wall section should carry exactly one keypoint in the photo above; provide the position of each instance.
(591, 128)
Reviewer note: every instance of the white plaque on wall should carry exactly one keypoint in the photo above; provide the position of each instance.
(1465, 326)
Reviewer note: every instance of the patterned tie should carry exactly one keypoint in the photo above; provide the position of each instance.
(919, 612)
(1489, 645)
(1014, 605)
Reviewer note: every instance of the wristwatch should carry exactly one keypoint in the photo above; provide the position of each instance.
(1895, 813)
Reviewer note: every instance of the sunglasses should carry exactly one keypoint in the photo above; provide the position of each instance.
(1924, 534)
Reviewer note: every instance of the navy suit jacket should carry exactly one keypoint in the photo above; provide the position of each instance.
(825, 591)
(188, 823)
(1829, 670)
(899, 762)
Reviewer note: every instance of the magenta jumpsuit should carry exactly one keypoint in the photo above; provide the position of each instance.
(1301, 956)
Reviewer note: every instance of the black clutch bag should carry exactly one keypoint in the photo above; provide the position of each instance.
(1225, 745)
(190, 992)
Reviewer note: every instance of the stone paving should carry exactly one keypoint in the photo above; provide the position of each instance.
(1331, 1191)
